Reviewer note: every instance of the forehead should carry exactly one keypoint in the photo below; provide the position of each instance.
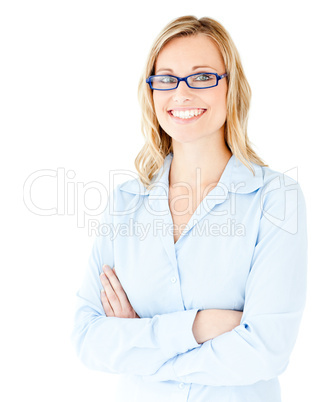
(189, 51)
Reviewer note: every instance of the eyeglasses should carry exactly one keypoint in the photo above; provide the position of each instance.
(195, 81)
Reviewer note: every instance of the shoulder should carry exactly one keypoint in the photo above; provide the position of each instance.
(282, 201)
(259, 180)
(132, 186)
(124, 198)
(277, 184)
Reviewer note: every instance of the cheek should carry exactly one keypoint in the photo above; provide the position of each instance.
(223, 96)
(218, 101)
(159, 105)
(158, 102)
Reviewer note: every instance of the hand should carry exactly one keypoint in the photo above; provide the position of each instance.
(113, 296)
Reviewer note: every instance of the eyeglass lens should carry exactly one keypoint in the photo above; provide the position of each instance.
(196, 81)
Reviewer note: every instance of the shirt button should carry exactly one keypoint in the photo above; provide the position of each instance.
(173, 279)
(181, 385)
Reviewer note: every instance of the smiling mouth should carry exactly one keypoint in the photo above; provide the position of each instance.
(187, 114)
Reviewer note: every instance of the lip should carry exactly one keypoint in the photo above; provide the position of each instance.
(185, 108)
(185, 121)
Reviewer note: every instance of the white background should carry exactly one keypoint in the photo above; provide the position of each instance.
(68, 93)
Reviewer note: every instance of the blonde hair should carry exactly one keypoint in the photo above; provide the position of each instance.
(158, 144)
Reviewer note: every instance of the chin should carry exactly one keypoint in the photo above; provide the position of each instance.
(185, 138)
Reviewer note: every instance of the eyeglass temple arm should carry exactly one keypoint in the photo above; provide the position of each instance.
(222, 76)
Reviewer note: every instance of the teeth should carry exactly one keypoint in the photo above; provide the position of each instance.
(187, 114)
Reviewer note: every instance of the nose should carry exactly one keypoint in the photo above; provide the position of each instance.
(182, 92)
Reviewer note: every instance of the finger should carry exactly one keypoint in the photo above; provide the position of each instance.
(118, 289)
(110, 293)
(107, 307)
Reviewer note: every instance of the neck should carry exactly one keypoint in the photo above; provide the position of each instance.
(198, 164)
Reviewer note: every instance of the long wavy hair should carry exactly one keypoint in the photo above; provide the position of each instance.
(158, 144)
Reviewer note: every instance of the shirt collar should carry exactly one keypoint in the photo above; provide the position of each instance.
(236, 178)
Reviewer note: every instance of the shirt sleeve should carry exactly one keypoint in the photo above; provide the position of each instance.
(275, 294)
(123, 345)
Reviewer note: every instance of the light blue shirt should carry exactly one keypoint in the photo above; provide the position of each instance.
(244, 248)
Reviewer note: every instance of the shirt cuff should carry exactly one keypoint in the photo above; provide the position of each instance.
(175, 329)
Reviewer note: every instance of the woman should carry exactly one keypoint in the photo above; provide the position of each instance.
(203, 301)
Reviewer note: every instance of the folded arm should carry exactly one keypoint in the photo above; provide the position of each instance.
(123, 345)
(259, 348)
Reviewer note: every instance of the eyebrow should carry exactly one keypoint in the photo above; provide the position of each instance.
(193, 68)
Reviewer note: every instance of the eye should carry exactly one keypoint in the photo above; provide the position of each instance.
(203, 77)
(166, 79)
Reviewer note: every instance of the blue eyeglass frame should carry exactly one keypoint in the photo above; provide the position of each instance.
(179, 79)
